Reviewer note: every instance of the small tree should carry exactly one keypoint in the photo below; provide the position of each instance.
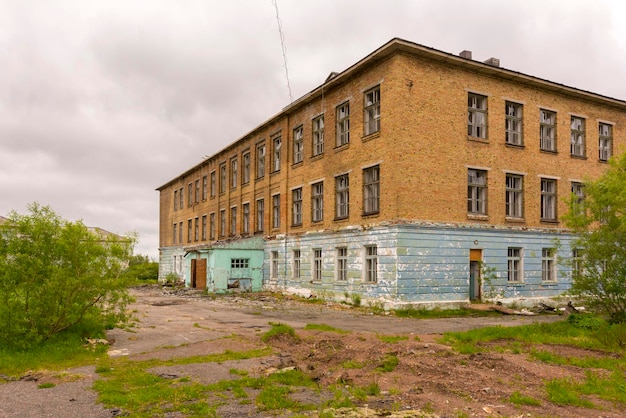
(141, 268)
(55, 274)
(599, 274)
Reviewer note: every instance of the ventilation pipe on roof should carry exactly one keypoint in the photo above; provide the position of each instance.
(466, 54)
(494, 62)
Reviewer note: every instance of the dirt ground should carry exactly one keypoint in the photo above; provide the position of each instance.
(430, 379)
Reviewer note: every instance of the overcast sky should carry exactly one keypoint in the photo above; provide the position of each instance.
(103, 101)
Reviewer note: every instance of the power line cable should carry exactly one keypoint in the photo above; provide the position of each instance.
(282, 44)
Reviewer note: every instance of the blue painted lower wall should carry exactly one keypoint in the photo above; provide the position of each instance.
(423, 264)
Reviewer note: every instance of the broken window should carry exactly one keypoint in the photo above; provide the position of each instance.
(296, 264)
(514, 196)
(548, 265)
(276, 211)
(548, 200)
(371, 190)
(342, 115)
(296, 209)
(318, 135)
(317, 264)
(577, 145)
(298, 144)
(277, 144)
(476, 115)
(547, 130)
(260, 215)
(605, 141)
(477, 191)
(260, 161)
(342, 196)
(342, 263)
(514, 123)
(371, 117)
(317, 202)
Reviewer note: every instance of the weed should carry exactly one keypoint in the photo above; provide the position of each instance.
(388, 364)
(356, 300)
(352, 364)
(518, 399)
(277, 330)
(564, 392)
(324, 327)
(46, 385)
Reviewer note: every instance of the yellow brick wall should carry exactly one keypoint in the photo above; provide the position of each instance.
(423, 151)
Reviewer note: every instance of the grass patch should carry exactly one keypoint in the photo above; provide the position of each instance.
(277, 330)
(352, 364)
(324, 327)
(388, 364)
(46, 385)
(424, 313)
(566, 392)
(518, 399)
(392, 339)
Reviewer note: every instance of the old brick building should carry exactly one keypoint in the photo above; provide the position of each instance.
(414, 176)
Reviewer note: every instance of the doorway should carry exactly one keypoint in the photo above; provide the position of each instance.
(476, 257)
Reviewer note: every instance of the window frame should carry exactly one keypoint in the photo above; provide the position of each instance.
(296, 264)
(548, 200)
(273, 264)
(342, 121)
(260, 161)
(370, 271)
(548, 265)
(245, 221)
(190, 194)
(189, 229)
(245, 176)
(605, 142)
(212, 226)
(514, 197)
(514, 124)
(203, 227)
(223, 179)
(515, 265)
(317, 201)
(180, 232)
(233, 220)
(196, 229)
(317, 132)
(341, 271)
(222, 220)
(317, 265)
(371, 111)
(197, 191)
(477, 114)
(204, 187)
(175, 233)
(371, 190)
(213, 183)
(276, 211)
(477, 192)
(277, 143)
(296, 207)
(181, 197)
(298, 144)
(342, 196)
(176, 200)
(547, 130)
(577, 137)
(234, 168)
(260, 215)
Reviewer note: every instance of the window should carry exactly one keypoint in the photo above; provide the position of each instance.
(548, 200)
(317, 264)
(342, 116)
(477, 191)
(577, 266)
(297, 262)
(548, 265)
(222, 178)
(606, 141)
(342, 196)
(245, 227)
(371, 116)
(203, 227)
(514, 124)
(239, 263)
(245, 178)
(197, 191)
(371, 263)
(260, 215)
(342, 264)
(514, 264)
(181, 197)
(212, 226)
(274, 264)
(176, 199)
(276, 143)
(180, 232)
(298, 144)
(296, 208)
(371, 190)
(547, 130)
(213, 184)
(233, 173)
(196, 229)
(190, 194)
(276, 211)
(318, 135)
(514, 196)
(189, 229)
(579, 191)
(233, 221)
(317, 202)
(222, 222)
(175, 233)
(476, 115)
(260, 161)
(577, 145)
(204, 187)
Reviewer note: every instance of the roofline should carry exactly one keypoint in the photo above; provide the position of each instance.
(401, 46)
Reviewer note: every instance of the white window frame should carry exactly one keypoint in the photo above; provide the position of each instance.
(245, 221)
(276, 211)
(370, 255)
(341, 272)
(342, 196)
(318, 135)
(514, 196)
(296, 206)
(260, 161)
(298, 144)
(547, 130)
(548, 199)
(297, 263)
(371, 190)
(317, 202)
(548, 265)
(260, 215)
(371, 111)
(514, 127)
(476, 191)
(342, 116)
(605, 141)
(245, 177)
(276, 154)
(477, 115)
(515, 265)
(577, 136)
(317, 265)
